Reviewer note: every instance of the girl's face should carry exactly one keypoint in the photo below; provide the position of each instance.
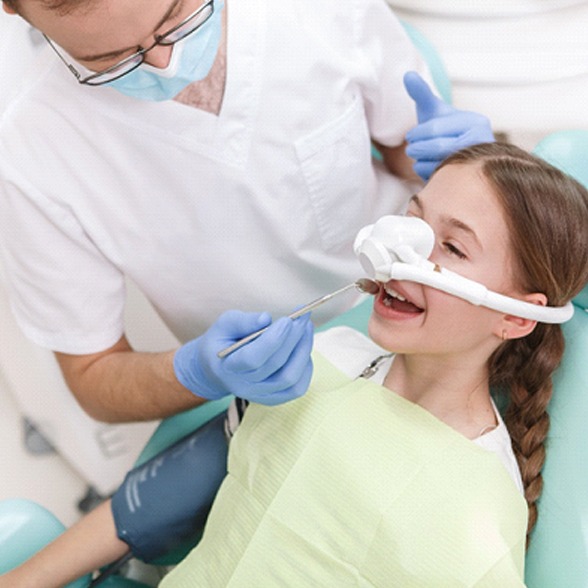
(471, 240)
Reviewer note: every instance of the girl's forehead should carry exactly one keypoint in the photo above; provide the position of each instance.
(458, 185)
(462, 194)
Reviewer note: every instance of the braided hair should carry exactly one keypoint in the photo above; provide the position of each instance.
(546, 213)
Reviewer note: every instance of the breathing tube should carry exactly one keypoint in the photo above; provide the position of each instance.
(398, 248)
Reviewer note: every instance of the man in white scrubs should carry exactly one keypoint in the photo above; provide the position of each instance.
(216, 153)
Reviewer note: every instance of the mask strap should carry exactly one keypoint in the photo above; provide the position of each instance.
(477, 294)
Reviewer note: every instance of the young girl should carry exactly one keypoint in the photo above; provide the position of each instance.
(401, 474)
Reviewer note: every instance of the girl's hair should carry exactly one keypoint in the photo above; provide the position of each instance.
(546, 213)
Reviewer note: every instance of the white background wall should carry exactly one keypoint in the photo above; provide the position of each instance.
(524, 63)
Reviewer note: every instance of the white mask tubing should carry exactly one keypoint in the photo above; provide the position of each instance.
(477, 293)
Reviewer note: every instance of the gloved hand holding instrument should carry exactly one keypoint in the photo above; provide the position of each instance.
(272, 369)
(247, 355)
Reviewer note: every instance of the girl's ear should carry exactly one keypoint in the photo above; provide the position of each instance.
(515, 327)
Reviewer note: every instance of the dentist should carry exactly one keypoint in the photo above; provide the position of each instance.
(200, 148)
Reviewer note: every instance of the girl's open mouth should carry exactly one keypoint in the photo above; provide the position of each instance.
(398, 302)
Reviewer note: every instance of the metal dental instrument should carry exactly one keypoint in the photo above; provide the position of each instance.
(363, 285)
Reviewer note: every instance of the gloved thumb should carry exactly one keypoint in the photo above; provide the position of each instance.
(427, 104)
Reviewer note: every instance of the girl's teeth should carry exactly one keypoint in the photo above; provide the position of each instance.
(394, 294)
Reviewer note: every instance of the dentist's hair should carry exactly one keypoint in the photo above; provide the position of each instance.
(62, 7)
(546, 213)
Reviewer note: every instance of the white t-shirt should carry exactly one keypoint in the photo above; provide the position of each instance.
(256, 208)
(351, 352)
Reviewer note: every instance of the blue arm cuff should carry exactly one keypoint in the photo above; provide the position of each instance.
(165, 502)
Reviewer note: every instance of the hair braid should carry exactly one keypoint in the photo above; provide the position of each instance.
(525, 367)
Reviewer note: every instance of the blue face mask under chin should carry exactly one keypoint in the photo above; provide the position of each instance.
(191, 61)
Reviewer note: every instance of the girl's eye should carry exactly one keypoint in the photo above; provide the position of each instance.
(454, 250)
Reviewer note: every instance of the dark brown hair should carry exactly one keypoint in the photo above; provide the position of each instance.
(546, 212)
(62, 7)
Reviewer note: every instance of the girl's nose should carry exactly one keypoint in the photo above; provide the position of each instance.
(159, 56)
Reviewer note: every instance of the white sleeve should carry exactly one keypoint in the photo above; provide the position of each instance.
(64, 294)
(385, 53)
(498, 441)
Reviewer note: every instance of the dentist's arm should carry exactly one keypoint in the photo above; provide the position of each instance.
(397, 162)
(121, 384)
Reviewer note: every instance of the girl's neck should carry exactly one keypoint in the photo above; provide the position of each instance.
(457, 393)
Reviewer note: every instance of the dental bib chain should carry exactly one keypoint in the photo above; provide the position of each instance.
(374, 366)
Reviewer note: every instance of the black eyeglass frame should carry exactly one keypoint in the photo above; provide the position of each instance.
(166, 39)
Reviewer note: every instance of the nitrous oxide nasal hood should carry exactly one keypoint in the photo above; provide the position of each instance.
(393, 239)
(398, 248)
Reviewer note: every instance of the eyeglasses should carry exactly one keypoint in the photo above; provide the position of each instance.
(188, 26)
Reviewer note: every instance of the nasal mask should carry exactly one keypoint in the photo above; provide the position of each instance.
(398, 248)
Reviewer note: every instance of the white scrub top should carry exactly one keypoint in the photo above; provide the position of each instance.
(256, 208)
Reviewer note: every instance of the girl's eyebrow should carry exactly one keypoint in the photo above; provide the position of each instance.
(117, 52)
(417, 201)
(461, 226)
(449, 220)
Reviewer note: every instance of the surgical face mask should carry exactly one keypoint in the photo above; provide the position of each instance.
(398, 248)
(191, 61)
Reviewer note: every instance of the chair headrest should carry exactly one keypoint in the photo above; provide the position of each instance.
(581, 299)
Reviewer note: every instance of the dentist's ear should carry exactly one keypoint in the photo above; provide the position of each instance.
(515, 327)
(8, 9)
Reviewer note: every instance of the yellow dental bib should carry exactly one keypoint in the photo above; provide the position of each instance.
(353, 485)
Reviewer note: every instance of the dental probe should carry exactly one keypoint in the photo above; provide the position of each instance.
(363, 285)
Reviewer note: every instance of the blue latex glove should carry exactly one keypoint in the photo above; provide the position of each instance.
(272, 369)
(442, 129)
